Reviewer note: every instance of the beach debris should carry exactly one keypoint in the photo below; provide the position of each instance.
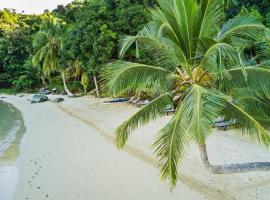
(117, 100)
(223, 124)
(142, 103)
(54, 91)
(58, 100)
(20, 95)
(169, 110)
(38, 98)
(45, 91)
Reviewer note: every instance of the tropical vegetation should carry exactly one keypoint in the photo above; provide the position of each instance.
(86, 33)
(203, 58)
(202, 67)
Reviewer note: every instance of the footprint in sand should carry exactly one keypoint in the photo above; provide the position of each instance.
(36, 164)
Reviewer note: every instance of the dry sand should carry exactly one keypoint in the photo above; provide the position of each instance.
(63, 158)
(67, 153)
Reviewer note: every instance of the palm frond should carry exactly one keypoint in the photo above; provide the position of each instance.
(119, 77)
(257, 103)
(192, 121)
(170, 147)
(162, 51)
(40, 39)
(166, 17)
(210, 18)
(186, 13)
(202, 109)
(213, 56)
(246, 122)
(149, 112)
(37, 58)
(241, 29)
(256, 79)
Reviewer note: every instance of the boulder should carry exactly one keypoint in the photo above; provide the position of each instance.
(38, 98)
(58, 100)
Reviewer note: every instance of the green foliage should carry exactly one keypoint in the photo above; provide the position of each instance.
(258, 8)
(85, 82)
(15, 49)
(16, 35)
(8, 21)
(23, 84)
(253, 12)
(191, 60)
(198, 62)
(93, 36)
(8, 91)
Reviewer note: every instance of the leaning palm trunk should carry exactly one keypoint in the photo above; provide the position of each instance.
(231, 168)
(96, 85)
(65, 86)
(43, 80)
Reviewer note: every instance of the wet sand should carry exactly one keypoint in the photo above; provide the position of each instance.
(12, 130)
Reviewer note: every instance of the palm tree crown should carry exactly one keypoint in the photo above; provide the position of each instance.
(48, 43)
(200, 67)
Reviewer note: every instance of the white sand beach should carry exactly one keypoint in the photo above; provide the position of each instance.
(67, 153)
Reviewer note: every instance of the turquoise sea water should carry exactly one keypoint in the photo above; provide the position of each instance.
(11, 131)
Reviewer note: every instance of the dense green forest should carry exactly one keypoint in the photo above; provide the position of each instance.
(74, 42)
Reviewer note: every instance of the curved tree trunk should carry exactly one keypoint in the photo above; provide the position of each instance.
(65, 86)
(96, 85)
(43, 80)
(231, 168)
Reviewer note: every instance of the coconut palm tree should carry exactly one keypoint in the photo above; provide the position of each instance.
(199, 65)
(48, 43)
(78, 71)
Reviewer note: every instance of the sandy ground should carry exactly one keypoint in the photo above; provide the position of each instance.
(68, 153)
(223, 148)
(64, 158)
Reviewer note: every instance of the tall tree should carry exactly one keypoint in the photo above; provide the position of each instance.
(97, 25)
(196, 65)
(48, 43)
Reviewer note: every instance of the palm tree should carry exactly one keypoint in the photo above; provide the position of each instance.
(77, 70)
(199, 66)
(49, 43)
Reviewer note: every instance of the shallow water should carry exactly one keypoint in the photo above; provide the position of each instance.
(11, 131)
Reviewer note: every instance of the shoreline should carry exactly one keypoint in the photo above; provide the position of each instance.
(78, 134)
(15, 133)
(67, 159)
(9, 153)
